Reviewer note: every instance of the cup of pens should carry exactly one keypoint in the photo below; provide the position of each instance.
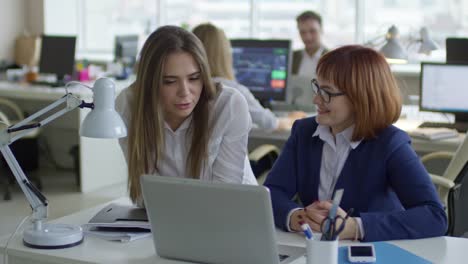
(325, 249)
(319, 251)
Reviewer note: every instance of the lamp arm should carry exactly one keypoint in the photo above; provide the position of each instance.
(374, 42)
(72, 102)
(35, 198)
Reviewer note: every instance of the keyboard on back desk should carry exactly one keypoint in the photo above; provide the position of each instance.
(460, 127)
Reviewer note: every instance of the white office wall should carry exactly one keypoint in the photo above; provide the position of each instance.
(18, 17)
(35, 16)
(12, 14)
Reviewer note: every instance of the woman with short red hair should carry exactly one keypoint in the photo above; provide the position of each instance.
(351, 144)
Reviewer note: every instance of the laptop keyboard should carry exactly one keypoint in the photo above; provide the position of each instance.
(282, 257)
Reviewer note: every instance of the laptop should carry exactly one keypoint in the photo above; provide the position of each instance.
(206, 222)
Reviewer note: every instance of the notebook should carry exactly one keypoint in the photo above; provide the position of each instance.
(119, 222)
(121, 216)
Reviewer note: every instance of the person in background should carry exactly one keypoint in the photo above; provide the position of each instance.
(351, 144)
(304, 62)
(180, 123)
(218, 50)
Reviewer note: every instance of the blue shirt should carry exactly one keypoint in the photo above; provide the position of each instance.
(383, 178)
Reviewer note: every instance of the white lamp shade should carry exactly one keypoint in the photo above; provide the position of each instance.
(393, 49)
(427, 43)
(103, 121)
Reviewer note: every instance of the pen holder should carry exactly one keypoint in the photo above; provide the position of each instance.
(319, 252)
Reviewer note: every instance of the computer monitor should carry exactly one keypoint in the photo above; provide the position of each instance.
(262, 66)
(58, 56)
(457, 50)
(126, 49)
(444, 88)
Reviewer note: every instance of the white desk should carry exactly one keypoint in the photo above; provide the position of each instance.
(258, 137)
(94, 250)
(102, 157)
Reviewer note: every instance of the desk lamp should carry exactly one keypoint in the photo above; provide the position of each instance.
(427, 43)
(102, 122)
(393, 50)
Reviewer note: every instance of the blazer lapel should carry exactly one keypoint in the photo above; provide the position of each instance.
(351, 176)
(312, 174)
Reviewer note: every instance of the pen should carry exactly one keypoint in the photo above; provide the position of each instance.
(307, 230)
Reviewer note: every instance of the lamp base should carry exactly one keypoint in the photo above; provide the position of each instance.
(53, 236)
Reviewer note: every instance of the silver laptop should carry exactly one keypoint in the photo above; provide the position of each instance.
(213, 222)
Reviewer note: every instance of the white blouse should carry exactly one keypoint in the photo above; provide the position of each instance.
(227, 147)
(260, 115)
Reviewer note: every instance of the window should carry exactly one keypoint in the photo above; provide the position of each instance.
(232, 16)
(277, 19)
(442, 17)
(97, 22)
(105, 19)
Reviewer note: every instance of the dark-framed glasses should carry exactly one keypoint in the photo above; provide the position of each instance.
(324, 94)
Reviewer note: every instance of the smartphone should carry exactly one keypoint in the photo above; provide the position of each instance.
(362, 253)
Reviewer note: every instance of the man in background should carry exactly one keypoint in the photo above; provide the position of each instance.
(304, 63)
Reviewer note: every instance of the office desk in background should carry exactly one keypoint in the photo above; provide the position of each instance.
(94, 250)
(412, 118)
(101, 162)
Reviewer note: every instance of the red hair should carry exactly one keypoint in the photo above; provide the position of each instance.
(365, 76)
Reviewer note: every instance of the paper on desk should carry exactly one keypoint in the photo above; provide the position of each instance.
(433, 133)
(120, 235)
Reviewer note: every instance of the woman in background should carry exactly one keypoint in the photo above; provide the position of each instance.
(218, 50)
(180, 123)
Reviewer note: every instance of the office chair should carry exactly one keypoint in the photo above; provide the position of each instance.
(262, 159)
(25, 149)
(452, 187)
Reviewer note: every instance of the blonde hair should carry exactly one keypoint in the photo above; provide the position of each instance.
(218, 50)
(146, 131)
(365, 76)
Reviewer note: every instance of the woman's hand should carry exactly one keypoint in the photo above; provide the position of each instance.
(285, 123)
(297, 115)
(351, 226)
(310, 215)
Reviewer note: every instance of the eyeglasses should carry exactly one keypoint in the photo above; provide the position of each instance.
(325, 95)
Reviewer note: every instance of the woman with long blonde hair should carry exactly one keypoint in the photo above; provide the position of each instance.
(218, 50)
(180, 123)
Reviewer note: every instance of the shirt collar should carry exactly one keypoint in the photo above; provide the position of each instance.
(316, 55)
(184, 126)
(324, 133)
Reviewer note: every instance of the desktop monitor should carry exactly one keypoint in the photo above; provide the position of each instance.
(457, 50)
(444, 88)
(263, 67)
(58, 56)
(126, 49)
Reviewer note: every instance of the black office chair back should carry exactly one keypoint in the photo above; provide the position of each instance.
(458, 205)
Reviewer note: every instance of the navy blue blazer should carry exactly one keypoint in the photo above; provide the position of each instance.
(383, 180)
